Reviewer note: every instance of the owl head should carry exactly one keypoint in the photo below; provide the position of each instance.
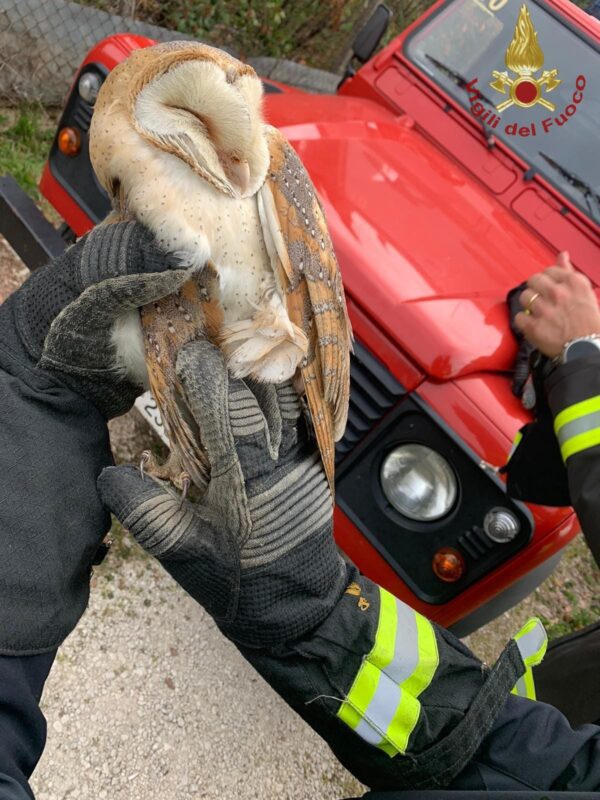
(192, 101)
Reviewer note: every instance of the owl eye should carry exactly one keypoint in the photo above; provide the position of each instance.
(197, 117)
(114, 186)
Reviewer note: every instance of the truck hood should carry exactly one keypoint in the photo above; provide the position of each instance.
(424, 248)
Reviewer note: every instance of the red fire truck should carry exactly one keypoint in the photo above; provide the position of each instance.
(447, 177)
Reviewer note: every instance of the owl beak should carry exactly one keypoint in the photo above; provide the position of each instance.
(238, 173)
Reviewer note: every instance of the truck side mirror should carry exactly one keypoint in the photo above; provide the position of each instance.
(371, 33)
(368, 39)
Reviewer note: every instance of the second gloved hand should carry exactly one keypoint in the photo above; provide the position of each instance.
(257, 551)
(62, 318)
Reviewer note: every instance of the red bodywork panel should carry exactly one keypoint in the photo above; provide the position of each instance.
(429, 238)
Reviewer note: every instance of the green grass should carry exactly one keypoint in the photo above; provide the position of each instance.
(572, 621)
(25, 138)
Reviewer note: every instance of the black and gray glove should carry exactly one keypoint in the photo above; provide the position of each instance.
(257, 551)
(63, 315)
(59, 382)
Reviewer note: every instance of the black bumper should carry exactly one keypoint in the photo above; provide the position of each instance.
(25, 228)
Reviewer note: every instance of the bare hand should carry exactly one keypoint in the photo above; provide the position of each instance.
(560, 304)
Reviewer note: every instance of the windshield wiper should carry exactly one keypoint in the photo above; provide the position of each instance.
(456, 78)
(577, 183)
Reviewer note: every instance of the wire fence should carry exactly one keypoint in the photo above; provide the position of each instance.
(42, 42)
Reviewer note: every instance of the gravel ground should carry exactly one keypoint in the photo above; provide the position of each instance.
(147, 700)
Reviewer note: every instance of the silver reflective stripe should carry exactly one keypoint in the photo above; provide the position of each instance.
(532, 643)
(520, 688)
(367, 732)
(406, 650)
(382, 707)
(581, 425)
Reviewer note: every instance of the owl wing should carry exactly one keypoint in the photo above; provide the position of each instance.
(306, 269)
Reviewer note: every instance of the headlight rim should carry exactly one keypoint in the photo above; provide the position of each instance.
(92, 73)
(407, 520)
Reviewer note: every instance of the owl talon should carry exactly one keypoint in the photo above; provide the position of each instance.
(144, 461)
(185, 485)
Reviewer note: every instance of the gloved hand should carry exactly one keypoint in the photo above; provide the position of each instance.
(58, 383)
(62, 317)
(257, 551)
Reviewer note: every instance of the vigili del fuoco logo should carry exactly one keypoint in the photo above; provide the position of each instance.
(524, 58)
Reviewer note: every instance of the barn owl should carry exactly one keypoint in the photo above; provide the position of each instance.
(179, 142)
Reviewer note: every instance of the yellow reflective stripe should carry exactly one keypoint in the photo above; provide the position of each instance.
(349, 715)
(583, 441)
(402, 724)
(516, 442)
(577, 427)
(577, 410)
(529, 684)
(367, 679)
(525, 686)
(428, 658)
(532, 642)
(385, 640)
(381, 710)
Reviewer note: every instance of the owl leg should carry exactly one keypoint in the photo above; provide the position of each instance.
(171, 470)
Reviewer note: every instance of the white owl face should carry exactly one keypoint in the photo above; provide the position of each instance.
(196, 103)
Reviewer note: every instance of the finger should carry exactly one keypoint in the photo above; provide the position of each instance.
(541, 283)
(558, 274)
(201, 368)
(523, 322)
(289, 404)
(265, 395)
(563, 260)
(153, 514)
(117, 249)
(531, 300)
(99, 305)
(255, 418)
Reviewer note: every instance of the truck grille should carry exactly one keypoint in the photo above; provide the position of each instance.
(82, 115)
(373, 392)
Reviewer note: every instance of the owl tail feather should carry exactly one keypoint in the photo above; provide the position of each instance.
(268, 347)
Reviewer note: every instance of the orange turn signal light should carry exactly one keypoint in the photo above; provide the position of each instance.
(69, 141)
(448, 564)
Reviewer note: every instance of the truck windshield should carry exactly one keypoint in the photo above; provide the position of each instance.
(538, 93)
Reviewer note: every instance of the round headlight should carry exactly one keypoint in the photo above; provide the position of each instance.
(418, 482)
(89, 86)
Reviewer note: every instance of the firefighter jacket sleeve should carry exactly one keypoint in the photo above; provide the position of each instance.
(53, 437)
(401, 701)
(573, 392)
(22, 724)
(557, 458)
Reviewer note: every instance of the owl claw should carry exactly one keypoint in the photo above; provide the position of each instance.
(144, 460)
(185, 485)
